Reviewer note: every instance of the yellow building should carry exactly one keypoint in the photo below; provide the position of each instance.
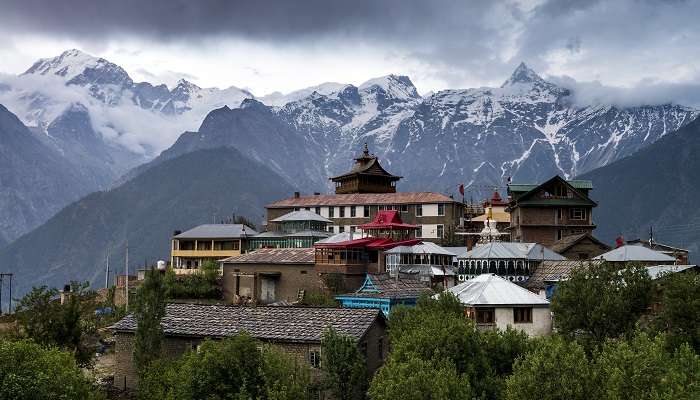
(210, 242)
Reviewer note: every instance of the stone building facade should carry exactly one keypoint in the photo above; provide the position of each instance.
(295, 330)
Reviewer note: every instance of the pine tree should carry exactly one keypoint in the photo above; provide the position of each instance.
(149, 310)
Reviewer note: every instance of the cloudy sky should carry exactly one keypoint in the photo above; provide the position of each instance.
(625, 50)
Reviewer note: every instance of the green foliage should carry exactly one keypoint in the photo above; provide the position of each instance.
(417, 379)
(203, 284)
(319, 299)
(601, 302)
(335, 282)
(149, 310)
(554, 370)
(344, 367)
(42, 318)
(437, 332)
(680, 316)
(641, 369)
(29, 371)
(233, 368)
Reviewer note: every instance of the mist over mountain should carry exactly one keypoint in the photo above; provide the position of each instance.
(109, 129)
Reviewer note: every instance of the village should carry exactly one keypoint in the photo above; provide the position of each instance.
(347, 262)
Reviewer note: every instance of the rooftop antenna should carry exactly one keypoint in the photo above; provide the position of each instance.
(107, 271)
(651, 236)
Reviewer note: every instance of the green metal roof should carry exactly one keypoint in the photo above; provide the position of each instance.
(526, 187)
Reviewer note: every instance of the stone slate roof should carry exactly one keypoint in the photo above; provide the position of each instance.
(568, 242)
(284, 324)
(408, 286)
(274, 256)
(217, 231)
(362, 199)
(554, 271)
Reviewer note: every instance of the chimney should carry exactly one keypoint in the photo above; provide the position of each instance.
(296, 195)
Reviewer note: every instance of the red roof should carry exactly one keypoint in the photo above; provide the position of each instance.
(388, 219)
(370, 243)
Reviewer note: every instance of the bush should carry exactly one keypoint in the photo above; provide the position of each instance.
(204, 284)
(29, 371)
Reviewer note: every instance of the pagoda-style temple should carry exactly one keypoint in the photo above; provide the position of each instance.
(366, 176)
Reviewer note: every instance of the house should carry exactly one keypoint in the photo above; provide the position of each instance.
(383, 291)
(548, 274)
(343, 265)
(681, 255)
(512, 260)
(497, 303)
(266, 276)
(580, 247)
(431, 263)
(367, 190)
(296, 229)
(210, 242)
(658, 271)
(296, 330)
(545, 213)
(636, 255)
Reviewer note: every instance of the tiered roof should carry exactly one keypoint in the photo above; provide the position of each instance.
(406, 286)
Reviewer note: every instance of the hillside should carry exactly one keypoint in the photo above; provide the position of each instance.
(177, 194)
(658, 186)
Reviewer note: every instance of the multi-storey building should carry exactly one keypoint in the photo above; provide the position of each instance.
(369, 189)
(210, 242)
(297, 229)
(550, 211)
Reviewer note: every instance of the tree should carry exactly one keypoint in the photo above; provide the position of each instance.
(417, 379)
(641, 368)
(68, 326)
(29, 371)
(149, 310)
(343, 366)
(233, 368)
(680, 315)
(600, 302)
(554, 370)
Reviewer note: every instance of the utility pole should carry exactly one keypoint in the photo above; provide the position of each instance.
(107, 272)
(2, 282)
(126, 284)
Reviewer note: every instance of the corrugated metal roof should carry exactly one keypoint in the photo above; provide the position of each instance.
(655, 271)
(341, 237)
(492, 290)
(217, 231)
(301, 215)
(514, 250)
(315, 234)
(526, 187)
(634, 253)
(458, 251)
(294, 324)
(421, 248)
(362, 199)
(274, 256)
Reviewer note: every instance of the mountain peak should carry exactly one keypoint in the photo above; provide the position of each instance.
(399, 86)
(522, 74)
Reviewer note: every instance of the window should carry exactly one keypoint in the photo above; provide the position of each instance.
(560, 214)
(341, 229)
(365, 213)
(419, 231)
(341, 212)
(302, 272)
(353, 229)
(318, 210)
(404, 208)
(308, 208)
(419, 210)
(441, 209)
(353, 212)
(485, 316)
(560, 191)
(440, 231)
(296, 208)
(559, 234)
(331, 212)
(522, 315)
(578, 214)
(315, 358)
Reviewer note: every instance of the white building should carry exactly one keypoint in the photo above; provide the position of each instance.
(496, 303)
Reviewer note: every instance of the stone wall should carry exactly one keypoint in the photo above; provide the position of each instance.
(291, 279)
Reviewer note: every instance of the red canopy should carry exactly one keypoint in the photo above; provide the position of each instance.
(388, 219)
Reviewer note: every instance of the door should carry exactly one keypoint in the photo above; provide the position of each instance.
(267, 290)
